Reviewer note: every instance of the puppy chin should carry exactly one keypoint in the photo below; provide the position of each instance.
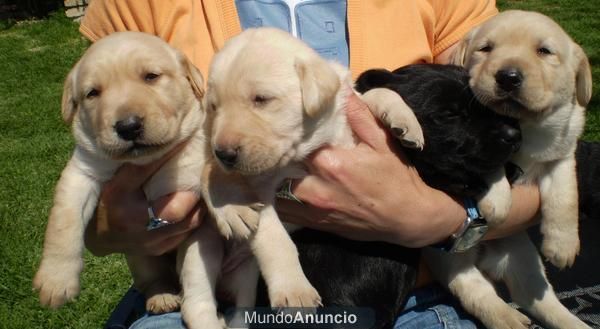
(253, 167)
(509, 105)
(137, 153)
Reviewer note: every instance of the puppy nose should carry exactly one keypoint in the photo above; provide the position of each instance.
(227, 156)
(509, 79)
(511, 136)
(130, 128)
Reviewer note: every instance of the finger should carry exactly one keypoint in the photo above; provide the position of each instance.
(318, 219)
(131, 177)
(168, 244)
(176, 206)
(171, 236)
(314, 191)
(323, 161)
(302, 214)
(192, 221)
(364, 125)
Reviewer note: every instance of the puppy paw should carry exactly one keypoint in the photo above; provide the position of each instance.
(494, 207)
(299, 293)
(57, 284)
(409, 137)
(391, 109)
(504, 317)
(163, 303)
(239, 222)
(513, 319)
(494, 214)
(561, 249)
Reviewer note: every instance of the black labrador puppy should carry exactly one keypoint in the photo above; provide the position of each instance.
(464, 142)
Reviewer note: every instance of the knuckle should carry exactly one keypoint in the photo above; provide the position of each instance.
(322, 199)
(329, 164)
(174, 210)
(178, 206)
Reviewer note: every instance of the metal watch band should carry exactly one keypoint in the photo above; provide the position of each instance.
(472, 230)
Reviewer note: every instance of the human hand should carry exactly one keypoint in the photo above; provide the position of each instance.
(370, 192)
(122, 215)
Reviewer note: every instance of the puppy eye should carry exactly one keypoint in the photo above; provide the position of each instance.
(149, 77)
(486, 49)
(212, 107)
(93, 93)
(261, 100)
(544, 51)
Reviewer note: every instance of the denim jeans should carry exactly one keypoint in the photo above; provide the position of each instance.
(433, 307)
(430, 307)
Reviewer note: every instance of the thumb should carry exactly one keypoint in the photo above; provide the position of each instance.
(364, 125)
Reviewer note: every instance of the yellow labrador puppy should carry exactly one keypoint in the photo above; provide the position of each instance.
(130, 99)
(523, 64)
(272, 100)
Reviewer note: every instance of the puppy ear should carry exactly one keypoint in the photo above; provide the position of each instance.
(68, 104)
(583, 77)
(319, 83)
(193, 75)
(372, 79)
(459, 56)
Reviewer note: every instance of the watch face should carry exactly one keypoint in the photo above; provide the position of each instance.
(470, 238)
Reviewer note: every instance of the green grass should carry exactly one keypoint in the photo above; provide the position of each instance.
(35, 145)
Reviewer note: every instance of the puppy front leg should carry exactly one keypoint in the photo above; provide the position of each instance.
(515, 260)
(75, 199)
(155, 277)
(278, 261)
(241, 283)
(229, 200)
(390, 108)
(199, 261)
(496, 202)
(475, 292)
(560, 213)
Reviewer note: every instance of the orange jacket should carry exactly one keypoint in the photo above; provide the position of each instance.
(382, 33)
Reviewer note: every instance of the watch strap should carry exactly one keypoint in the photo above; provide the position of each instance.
(469, 233)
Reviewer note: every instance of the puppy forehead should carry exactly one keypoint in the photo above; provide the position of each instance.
(259, 73)
(257, 57)
(124, 52)
(522, 28)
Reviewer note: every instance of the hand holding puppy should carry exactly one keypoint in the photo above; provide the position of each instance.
(371, 192)
(120, 224)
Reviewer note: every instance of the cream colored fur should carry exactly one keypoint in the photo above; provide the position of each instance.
(275, 100)
(550, 107)
(116, 66)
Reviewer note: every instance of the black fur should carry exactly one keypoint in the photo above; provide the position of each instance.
(588, 179)
(350, 273)
(464, 140)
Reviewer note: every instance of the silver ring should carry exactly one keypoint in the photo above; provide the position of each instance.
(155, 222)
(285, 191)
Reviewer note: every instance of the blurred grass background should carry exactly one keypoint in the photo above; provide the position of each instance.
(35, 56)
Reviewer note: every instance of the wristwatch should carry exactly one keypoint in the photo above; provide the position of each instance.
(468, 235)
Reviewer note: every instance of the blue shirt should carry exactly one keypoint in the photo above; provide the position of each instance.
(319, 23)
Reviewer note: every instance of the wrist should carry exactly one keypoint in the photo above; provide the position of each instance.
(448, 215)
(437, 218)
